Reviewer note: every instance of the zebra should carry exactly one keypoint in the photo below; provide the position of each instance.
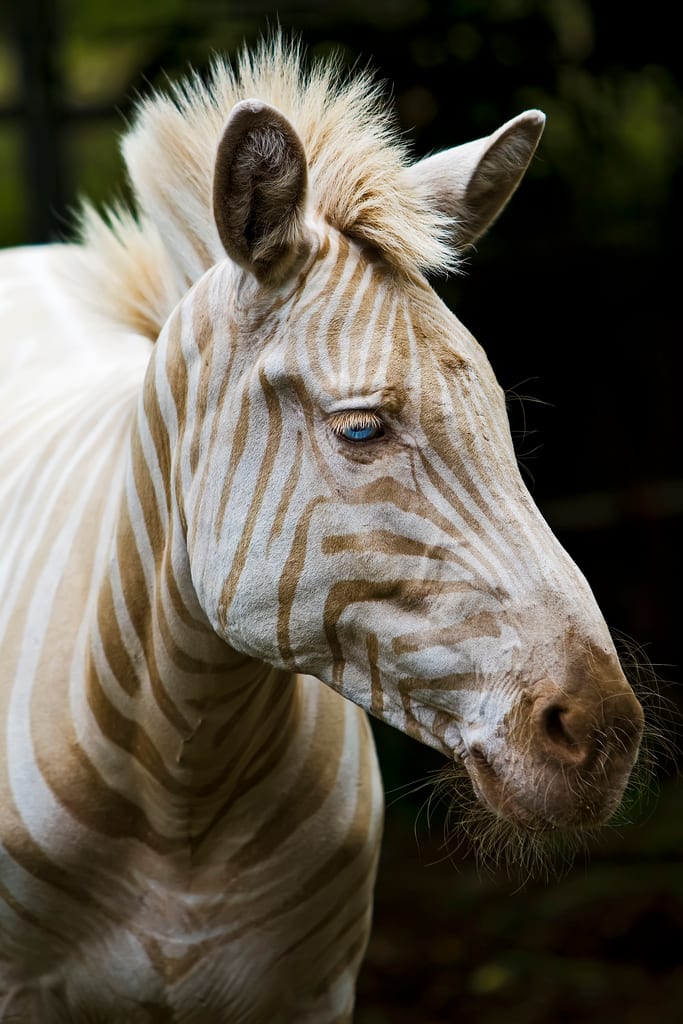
(256, 481)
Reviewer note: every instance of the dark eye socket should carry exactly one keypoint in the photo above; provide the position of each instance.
(358, 425)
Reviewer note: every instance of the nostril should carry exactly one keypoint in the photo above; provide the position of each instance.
(564, 732)
(553, 723)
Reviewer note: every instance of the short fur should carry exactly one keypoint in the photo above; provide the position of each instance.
(139, 264)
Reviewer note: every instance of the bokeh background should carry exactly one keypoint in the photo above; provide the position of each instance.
(576, 296)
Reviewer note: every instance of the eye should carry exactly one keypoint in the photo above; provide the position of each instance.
(358, 425)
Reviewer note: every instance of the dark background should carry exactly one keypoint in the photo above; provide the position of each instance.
(575, 294)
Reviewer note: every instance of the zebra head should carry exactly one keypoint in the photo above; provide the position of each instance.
(350, 494)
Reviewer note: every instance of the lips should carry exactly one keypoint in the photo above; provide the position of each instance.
(501, 796)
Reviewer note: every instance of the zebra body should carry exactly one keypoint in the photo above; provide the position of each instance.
(224, 907)
(301, 501)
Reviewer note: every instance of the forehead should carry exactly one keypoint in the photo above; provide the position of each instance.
(362, 324)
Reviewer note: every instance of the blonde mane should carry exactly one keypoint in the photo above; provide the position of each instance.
(140, 263)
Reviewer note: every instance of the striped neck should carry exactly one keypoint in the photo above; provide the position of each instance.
(187, 724)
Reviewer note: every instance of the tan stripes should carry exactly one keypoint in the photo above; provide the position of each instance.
(122, 668)
(238, 446)
(287, 493)
(405, 593)
(138, 601)
(131, 737)
(376, 693)
(223, 394)
(289, 577)
(264, 472)
(496, 557)
(310, 788)
(476, 626)
(386, 543)
(160, 440)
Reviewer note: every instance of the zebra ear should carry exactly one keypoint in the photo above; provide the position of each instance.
(259, 190)
(473, 182)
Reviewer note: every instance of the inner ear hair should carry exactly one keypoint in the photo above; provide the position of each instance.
(259, 191)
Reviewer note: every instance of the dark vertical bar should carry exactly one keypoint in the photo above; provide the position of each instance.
(37, 40)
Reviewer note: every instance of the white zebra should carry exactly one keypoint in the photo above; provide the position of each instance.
(301, 501)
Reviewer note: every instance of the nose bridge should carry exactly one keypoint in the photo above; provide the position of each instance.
(470, 471)
(554, 594)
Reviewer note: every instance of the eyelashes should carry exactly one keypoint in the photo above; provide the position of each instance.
(358, 425)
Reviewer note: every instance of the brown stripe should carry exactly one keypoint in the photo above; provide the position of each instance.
(370, 351)
(186, 615)
(337, 325)
(23, 912)
(475, 626)
(157, 431)
(287, 492)
(316, 301)
(409, 593)
(122, 668)
(264, 474)
(314, 781)
(387, 489)
(134, 588)
(176, 656)
(131, 737)
(453, 681)
(202, 337)
(385, 542)
(225, 385)
(291, 573)
(89, 800)
(239, 443)
(376, 693)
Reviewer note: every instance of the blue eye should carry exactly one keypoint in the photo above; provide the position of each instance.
(362, 434)
(358, 425)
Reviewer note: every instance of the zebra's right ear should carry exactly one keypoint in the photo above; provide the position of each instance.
(259, 190)
(472, 183)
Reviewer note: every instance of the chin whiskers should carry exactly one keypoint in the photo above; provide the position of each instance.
(468, 827)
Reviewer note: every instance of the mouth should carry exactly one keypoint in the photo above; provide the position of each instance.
(489, 789)
(484, 779)
(539, 800)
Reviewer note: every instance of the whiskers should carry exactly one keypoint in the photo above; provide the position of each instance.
(520, 852)
(660, 746)
(525, 846)
(520, 431)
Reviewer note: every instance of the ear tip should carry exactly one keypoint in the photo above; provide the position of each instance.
(534, 118)
(251, 113)
(251, 106)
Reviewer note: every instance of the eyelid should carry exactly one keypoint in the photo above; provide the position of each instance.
(355, 419)
(370, 401)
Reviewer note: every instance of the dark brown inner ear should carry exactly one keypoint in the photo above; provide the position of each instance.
(259, 187)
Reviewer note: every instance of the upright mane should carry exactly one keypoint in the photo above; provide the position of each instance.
(139, 263)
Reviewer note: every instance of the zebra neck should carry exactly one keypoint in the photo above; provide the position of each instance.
(186, 724)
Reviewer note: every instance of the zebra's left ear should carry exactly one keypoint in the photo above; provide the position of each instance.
(259, 190)
(473, 182)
